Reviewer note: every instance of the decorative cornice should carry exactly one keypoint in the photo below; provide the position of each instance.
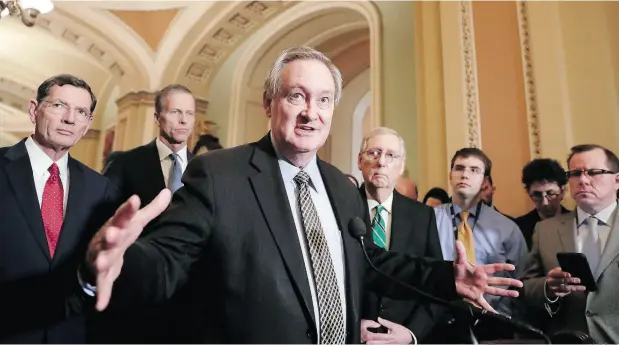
(136, 98)
(201, 105)
(529, 82)
(470, 74)
(92, 134)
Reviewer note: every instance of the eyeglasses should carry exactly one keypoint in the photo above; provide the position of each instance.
(62, 108)
(375, 154)
(588, 172)
(460, 169)
(550, 195)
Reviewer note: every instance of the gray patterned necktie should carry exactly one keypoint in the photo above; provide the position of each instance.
(332, 329)
(591, 244)
(176, 172)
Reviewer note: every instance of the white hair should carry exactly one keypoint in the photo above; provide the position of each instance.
(382, 131)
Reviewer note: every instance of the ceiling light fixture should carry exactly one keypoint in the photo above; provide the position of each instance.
(28, 10)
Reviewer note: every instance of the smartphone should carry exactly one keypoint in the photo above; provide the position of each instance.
(381, 329)
(578, 266)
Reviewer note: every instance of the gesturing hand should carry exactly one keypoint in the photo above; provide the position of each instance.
(472, 281)
(106, 249)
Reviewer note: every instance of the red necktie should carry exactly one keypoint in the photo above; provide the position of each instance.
(51, 207)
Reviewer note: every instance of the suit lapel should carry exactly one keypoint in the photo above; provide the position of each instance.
(270, 191)
(566, 233)
(19, 172)
(400, 222)
(70, 225)
(350, 244)
(611, 249)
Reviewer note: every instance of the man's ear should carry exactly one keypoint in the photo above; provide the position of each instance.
(32, 110)
(266, 104)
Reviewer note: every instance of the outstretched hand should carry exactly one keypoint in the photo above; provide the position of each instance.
(107, 248)
(472, 281)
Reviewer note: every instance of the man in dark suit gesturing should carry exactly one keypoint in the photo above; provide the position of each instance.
(399, 224)
(49, 204)
(267, 224)
(148, 169)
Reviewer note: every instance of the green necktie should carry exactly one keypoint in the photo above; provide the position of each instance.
(379, 232)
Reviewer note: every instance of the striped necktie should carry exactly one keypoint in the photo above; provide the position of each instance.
(379, 232)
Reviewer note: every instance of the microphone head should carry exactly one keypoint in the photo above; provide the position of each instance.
(357, 228)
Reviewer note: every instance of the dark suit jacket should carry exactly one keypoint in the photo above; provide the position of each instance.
(413, 232)
(233, 225)
(138, 171)
(35, 289)
(527, 224)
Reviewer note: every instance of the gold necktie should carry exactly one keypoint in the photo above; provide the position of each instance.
(465, 235)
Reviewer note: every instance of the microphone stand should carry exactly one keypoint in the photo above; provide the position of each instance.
(468, 311)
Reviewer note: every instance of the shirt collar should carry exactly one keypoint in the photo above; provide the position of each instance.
(472, 211)
(387, 204)
(604, 216)
(165, 152)
(41, 162)
(289, 171)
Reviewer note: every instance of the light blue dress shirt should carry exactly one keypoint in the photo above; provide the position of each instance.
(497, 240)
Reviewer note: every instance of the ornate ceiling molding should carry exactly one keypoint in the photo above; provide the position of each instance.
(15, 95)
(220, 41)
(529, 82)
(470, 74)
(70, 25)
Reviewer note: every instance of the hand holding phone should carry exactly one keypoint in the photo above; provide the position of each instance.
(578, 266)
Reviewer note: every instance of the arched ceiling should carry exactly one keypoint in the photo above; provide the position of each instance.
(137, 45)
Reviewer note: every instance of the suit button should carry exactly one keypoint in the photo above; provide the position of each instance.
(309, 334)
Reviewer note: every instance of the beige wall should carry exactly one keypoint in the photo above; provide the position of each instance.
(503, 118)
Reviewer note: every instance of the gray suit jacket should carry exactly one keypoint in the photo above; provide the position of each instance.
(596, 313)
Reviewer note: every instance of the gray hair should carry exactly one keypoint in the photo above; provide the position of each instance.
(163, 93)
(382, 131)
(272, 85)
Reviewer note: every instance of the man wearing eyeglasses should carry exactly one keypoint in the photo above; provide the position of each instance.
(544, 181)
(488, 235)
(50, 206)
(399, 224)
(593, 229)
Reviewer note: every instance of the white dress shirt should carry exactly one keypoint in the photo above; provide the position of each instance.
(321, 201)
(386, 213)
(605, 225)
(40, 163)
(166, 161)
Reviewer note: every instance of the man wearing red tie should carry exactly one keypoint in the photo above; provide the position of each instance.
(49, 204)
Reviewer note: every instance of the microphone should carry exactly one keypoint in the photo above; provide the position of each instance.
(358, 229)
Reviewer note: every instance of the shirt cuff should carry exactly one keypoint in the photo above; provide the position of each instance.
(88, 289)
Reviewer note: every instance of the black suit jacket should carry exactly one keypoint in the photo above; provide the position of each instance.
(138, 171)
(35, 289)
(232, 225)
(413, 232)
